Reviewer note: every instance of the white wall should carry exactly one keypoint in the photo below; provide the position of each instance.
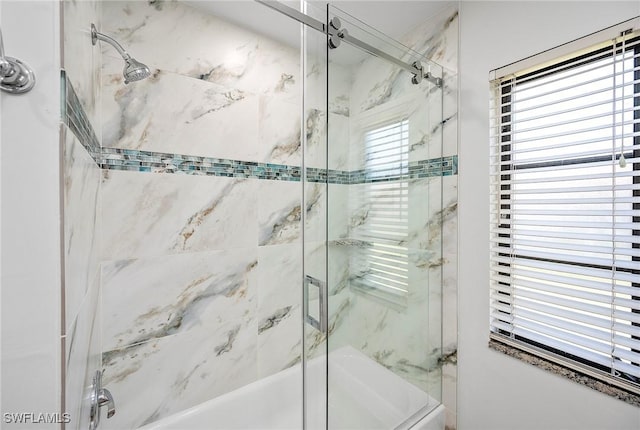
(495, 391)
(30, 191)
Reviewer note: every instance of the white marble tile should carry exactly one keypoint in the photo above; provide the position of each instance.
(338, 147)
(450, 114)
(437, 38)
(168, 213)
(81, 222)
(163, 376)
(315, 102)
(279, 212)
(171, 113)
(315, 138)
(316, 216)
(449, 395)
(339, 116)
(338, 214)
(82, 61)
(315, 81)
(279, 131)
(280, 347)
(450, 298)
(425, 217)
(178, 38)
(321, 224)
(425, 127)
(338, 267)
(395, 337)
(83, 343)
(315, 259)
(279, 278)
(423, 110)
(279, 308)
(384, 82)
(150, 298)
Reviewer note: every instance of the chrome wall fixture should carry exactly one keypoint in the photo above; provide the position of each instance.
(99, 397)
(133, 69)
(336, 34)
(15, 76)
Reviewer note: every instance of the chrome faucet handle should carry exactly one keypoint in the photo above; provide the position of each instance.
(105, 397)
(99, 397)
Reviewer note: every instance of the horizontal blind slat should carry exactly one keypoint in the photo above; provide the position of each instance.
(565, 216)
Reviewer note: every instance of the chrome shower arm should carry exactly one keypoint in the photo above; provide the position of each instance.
(133, 70)
(96, 35)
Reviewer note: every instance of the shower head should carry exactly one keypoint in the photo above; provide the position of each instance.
(133, 69)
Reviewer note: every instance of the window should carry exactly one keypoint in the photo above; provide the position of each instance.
(382, 263)
(565, 211)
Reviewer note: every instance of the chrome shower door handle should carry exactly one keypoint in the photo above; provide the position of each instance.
(319, 323)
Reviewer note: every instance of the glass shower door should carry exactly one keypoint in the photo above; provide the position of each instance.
(383, 244)
(314, 216)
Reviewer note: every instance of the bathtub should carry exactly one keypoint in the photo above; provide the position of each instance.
(362, 395)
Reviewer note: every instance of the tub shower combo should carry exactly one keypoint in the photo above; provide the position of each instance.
(269, 202)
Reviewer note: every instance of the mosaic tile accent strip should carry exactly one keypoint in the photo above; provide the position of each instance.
(76, 119)
(445, 166)
(74, 116)
(318, 175)
(157, 162)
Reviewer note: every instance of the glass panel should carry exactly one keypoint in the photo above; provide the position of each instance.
(384, 244)
(201, 300)
(314, 219)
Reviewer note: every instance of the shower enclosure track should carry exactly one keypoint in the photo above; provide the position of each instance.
(415, 68)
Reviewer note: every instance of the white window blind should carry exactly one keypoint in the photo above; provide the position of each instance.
(383, 262)
(565, 211)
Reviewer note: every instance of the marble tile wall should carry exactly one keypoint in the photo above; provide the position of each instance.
(201, 273)
(216, 73)
(185, 321)
(82, 200)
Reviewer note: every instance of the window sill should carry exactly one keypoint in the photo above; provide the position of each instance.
(566, 372)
